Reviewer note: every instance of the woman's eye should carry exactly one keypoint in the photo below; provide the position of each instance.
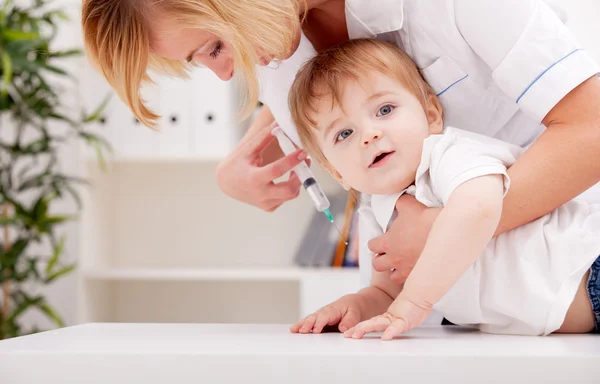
(343, 135)
(385, 110)
(215, 52)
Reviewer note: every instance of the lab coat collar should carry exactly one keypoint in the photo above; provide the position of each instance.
(366, 18)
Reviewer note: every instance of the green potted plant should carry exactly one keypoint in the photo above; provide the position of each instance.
(35, 124)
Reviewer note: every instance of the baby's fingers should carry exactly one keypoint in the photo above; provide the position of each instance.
(376, 324)
(301, 325)
(397, 328)
(326, 317)
(350, 332)
(296, 327)
(309, 323)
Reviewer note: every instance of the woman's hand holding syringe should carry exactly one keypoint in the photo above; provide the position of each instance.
(306, 177)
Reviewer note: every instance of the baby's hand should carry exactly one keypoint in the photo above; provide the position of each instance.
(346, 311)
(400, 317)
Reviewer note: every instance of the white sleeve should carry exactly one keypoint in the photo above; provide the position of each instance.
(464, 159)
(534, 58)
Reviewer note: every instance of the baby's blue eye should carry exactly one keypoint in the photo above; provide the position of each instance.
(343, 135)
(385, 110)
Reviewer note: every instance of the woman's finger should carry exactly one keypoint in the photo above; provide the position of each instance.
(282, 166)
(378, 244)
(382, 263)
(260, 141)
(284, 191)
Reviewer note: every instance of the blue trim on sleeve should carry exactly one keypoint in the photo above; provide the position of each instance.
(451, 85)
(542, 74)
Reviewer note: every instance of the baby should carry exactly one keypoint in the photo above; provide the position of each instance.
(364, 113)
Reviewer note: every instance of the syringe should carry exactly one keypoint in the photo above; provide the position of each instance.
(306, 177)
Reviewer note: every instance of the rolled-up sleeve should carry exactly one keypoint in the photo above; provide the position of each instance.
(534, 58)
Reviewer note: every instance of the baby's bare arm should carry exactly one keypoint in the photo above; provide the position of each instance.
(380, 294)
(458, 237)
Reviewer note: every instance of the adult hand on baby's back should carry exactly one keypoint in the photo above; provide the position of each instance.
(245, 176)
(400, 247)
(345, 311)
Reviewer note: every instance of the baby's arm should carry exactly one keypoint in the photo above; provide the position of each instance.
(458, 237)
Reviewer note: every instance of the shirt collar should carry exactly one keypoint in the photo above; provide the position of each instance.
(366, 20)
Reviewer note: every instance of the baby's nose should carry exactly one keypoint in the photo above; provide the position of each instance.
(370, 137)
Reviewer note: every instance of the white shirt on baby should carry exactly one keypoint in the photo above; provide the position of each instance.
(526, 279)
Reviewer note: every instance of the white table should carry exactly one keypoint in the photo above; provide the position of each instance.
(212, 353)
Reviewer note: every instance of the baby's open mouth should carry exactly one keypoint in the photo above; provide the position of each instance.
(380, 158)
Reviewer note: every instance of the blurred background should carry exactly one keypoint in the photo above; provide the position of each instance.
(156, 240)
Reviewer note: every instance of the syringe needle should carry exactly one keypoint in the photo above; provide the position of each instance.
(327, 213)
(340, 232)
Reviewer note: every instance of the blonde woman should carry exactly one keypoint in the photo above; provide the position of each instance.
(508, 69)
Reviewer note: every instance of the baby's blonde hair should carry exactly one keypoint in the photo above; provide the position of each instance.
(117, 40)
(325, 75)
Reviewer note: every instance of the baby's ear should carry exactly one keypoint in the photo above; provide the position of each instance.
(336, 175)
(434, 115)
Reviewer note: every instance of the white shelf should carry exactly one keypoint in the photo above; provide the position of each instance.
(219, 274)
(159, 230)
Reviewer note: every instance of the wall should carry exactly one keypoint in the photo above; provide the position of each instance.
(583, 21)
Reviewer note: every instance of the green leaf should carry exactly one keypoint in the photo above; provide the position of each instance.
(75, 195)
(15, 252)
(98, 112)
(33, 182)
(40, 208)
(4, 11)
(58, 116)
(56, 255)
(19, 209)
(68, 53)
(100, 145)
(57, 70)
(58, 219)
(21, 308)
(100, 155)
(61, 272)
(9, 220)
(51, 313)
(11, 34)
(7, 73)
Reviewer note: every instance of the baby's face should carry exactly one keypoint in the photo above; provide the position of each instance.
(374, 144)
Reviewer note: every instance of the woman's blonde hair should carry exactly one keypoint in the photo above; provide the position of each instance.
(325, 75)
(117, 39)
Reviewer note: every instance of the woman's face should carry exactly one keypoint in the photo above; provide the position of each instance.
(195, 45)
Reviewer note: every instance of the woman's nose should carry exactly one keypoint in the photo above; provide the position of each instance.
(370, 136)
(224, 70)
(225, 75)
